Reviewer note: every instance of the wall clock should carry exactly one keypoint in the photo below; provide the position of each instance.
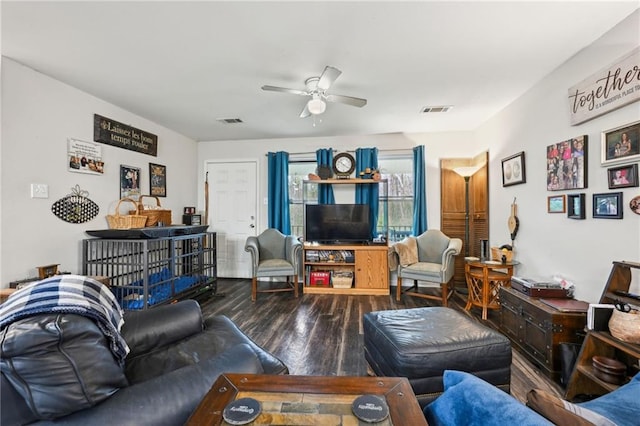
(343, 165)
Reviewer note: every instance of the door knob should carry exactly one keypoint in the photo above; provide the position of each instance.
(252, 226)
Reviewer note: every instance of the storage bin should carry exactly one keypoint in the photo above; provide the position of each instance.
(342, 281)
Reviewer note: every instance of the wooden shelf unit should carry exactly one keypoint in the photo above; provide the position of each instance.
(369, 268)
(370, 265)
(583, 380)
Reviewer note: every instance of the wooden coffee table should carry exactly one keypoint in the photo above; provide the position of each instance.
(308, 400)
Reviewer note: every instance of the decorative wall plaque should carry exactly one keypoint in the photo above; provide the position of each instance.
(114, 133)
(75, 207)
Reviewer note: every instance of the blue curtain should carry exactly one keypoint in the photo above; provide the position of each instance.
(368, 194)
(419, 192)
(324, 157)
(278, 192)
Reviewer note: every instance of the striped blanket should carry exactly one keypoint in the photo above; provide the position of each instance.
(70, 294)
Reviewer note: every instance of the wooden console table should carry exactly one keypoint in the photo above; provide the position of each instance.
(484, 279)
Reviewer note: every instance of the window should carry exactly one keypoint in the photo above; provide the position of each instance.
(399, 173)
(397, 170)
(298, 172)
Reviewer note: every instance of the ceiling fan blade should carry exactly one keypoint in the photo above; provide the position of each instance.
(349, 100)
(327, 78)
(285, 90)
(305, 112)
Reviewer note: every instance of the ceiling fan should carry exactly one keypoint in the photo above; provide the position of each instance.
(316, 88)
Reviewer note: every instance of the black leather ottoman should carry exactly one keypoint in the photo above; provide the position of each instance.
(421, 343)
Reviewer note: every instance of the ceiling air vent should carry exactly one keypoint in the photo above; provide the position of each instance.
(445, 108)
(230, 120)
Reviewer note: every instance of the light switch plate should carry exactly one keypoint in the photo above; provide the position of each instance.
(39, 190)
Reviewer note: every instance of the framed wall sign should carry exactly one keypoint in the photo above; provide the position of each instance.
(575, 206)
(567, 164)
(556, 204)
(157, 180)
(610, 88)
(513, 170)
(607, 205)
(621, 144)
(129, 182)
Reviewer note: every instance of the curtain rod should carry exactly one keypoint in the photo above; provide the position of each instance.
(352, 151)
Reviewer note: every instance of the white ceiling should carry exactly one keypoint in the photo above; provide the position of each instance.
(185, 64)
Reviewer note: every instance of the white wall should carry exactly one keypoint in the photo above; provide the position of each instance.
(38, 115)
(549, 244)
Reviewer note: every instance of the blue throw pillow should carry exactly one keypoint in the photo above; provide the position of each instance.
(622, 406)
(468, 400)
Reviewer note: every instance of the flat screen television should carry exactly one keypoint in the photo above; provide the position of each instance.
(337, 223)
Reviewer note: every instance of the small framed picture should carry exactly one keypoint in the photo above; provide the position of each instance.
(513, 170)
(607, 205)
(623, 176)
(157, 180)
(556, 204)
(575, 206)
(621, 144)
(129, 182)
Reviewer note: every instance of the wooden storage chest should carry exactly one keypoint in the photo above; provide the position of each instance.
(537, 329)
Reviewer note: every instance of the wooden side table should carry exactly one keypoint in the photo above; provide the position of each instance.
(5, 293)
(484, 279)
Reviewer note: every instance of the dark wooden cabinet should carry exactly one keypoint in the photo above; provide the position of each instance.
(537, 329)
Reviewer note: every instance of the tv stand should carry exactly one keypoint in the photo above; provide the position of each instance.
(367, 264)
(353, 268)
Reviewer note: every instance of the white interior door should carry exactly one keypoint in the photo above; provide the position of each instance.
(233, 214)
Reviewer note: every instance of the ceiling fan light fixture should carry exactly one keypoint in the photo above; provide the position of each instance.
(316, 105)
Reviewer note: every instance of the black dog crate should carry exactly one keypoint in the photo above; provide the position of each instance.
(144, 273)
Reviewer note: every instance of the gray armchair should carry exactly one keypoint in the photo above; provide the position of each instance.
(428, 257)
(274, 254)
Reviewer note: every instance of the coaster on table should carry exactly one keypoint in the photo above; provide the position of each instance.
(241, 411)
(370, 408)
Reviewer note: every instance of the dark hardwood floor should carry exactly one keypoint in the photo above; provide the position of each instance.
(321, 335)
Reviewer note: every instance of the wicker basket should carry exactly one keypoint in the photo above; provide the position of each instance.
(625, 326)
(132, 220)
(341, 281)
(496, 254)
(154, 216)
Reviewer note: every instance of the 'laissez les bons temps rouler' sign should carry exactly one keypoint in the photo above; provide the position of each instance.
(114, 133)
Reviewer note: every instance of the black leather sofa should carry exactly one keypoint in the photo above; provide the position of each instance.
(58, 369)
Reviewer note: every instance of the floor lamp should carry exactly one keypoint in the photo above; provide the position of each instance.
(466, 173)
